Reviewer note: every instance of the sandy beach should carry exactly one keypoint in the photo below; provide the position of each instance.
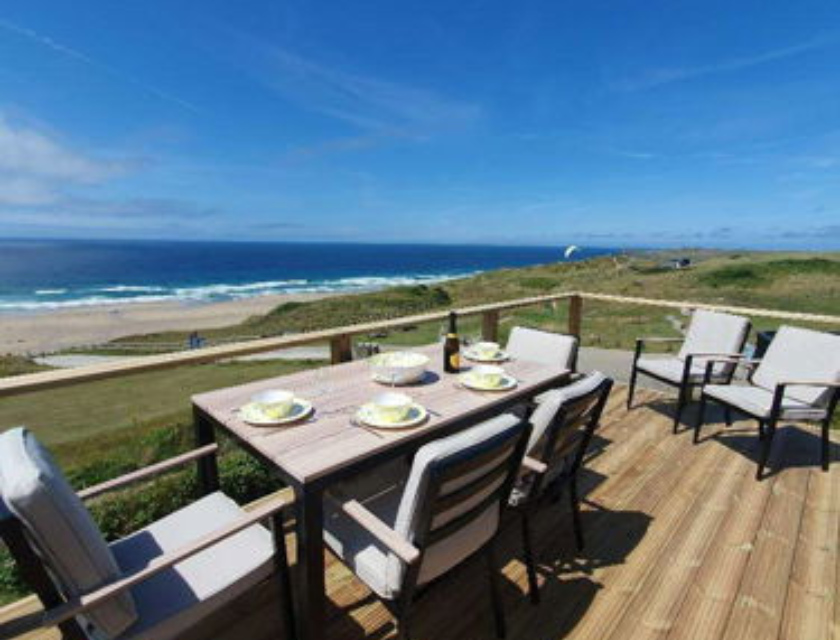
(43, 332)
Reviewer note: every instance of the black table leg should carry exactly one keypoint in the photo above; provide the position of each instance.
(311, 592)
(208, 469)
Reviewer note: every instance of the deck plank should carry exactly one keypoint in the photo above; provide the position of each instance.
(757, 612)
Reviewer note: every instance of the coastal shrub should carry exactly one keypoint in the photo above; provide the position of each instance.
(12, 365)
(539, 283)
(766, 273)
(350, 309)
(733, 276)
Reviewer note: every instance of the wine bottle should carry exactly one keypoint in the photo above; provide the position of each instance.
(452, 347)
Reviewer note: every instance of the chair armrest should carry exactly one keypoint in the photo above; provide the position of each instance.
(533, 465)
(809, 383)
(734, 356)
(363, 516)
(148, 472)
(85, 602)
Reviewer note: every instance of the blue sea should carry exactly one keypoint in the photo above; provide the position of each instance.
(53, 274)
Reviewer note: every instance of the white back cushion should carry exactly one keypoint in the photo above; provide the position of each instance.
(804, 355)
(35, 490)
(450, 551)
(542, 346)
(551, 404)
(713, 332)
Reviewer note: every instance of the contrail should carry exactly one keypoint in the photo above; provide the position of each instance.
(61, 49)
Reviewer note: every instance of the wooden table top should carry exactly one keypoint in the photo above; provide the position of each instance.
(330, 439)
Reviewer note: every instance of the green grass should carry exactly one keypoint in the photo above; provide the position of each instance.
(85, 422)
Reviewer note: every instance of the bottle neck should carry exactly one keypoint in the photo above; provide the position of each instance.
(452, 325)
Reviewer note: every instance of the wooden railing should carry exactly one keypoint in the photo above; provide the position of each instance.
(340, 338)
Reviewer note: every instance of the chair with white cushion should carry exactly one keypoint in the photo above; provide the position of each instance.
(798, 379)
(562, 428)
(710, 334)
(447, 510)
(151, 585)
(543, 346)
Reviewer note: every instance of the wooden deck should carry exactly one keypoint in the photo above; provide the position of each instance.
(682, 542)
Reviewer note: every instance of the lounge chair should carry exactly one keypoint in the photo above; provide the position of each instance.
(563, 425)
(543, 346)
(798, 379)
(151, 585)
(447, 510)
(709, 334)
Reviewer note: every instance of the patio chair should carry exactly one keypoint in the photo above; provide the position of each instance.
(563, 426)
(153, 584)
(798, 379)
(709, 334)
(408, 535)
(543, 346)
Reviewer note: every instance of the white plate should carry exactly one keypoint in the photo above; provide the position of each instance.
(416, 415)
(300, 409)
(501, 356)
(508, 382)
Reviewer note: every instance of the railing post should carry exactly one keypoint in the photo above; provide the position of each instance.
(490, 326)
(575, 315)
(341, 349)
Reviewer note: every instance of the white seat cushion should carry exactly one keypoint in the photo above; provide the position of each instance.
(543, 346)
(803, 355)
(176, 599)
(35, 490)
(671, 368)
(758, 402)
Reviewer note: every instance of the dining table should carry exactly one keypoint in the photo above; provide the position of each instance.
(331, 445)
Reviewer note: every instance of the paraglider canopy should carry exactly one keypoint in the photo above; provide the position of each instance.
(570, 250)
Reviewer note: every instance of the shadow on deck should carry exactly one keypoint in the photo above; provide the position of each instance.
(682, 542)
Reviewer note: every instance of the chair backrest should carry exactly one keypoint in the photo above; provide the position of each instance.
(58, 532)
(801, 354)
(564, 422)
(543, 346)
(454, 494)
(714, 332)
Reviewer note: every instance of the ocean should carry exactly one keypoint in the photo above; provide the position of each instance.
(53, 274)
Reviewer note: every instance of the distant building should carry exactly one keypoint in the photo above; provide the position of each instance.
(679, 263)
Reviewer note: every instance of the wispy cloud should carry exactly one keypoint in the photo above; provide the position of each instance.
(34, 167)
(369, 103)
(68, 52)
(669, 75)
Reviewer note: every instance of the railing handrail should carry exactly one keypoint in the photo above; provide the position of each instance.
(340, 335)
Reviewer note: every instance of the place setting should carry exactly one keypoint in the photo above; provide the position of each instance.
(391, 410)
(487, 377)
(275, 408)
(484, 351)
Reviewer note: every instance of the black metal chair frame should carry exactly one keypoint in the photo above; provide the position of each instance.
(767, 424)
(685, 385)
(37, 577)
(580, 417)
(441, 472)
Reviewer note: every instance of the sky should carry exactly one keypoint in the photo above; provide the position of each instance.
(596, 122)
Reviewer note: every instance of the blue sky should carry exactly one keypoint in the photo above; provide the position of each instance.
(612, 123)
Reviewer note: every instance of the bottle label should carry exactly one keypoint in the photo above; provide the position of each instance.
(455, 361)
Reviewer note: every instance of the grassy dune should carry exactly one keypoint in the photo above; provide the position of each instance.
(789, 281)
